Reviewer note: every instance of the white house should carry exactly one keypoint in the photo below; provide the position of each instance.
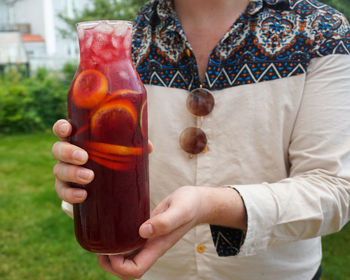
(39, 24)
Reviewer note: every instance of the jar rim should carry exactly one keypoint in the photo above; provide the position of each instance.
(93, 23)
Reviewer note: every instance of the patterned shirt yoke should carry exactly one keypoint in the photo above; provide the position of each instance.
(270, 40)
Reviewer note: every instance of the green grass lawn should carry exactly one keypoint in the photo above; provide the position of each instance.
(36, 238)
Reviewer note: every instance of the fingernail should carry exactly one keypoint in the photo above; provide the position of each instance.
(147, 230)
(79, 193)
(150, 229)
(85, 174)
(64, 128)
(79, 155)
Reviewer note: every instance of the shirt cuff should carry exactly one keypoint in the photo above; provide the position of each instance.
(227, 241)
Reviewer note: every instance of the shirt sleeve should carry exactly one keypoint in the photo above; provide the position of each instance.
(67, 208)
(314, 200)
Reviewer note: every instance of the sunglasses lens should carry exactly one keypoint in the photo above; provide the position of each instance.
(193, 140)
(200, 102)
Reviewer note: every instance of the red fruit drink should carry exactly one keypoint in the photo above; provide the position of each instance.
(108, 111)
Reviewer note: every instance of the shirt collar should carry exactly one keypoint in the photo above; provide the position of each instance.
(167, 17)
(255, 6)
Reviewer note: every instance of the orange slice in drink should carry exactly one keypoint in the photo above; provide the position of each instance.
(118, 93)
(114, 149)
(89, 89)
(115, 157)
(125, 91)
(114, 122)
(111, 157)
(121, 166)
(143, 120)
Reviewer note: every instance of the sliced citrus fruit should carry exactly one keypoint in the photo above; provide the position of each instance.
(143, 119)
(114, 122)
(112, 164)
(89, 89)
(115, 149)
(125, 91)
(118, 93)
(126, 159)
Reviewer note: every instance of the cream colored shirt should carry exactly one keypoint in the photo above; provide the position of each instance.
(279, 134)
(285, 146)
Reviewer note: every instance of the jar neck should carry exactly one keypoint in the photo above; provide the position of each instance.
(104, 42)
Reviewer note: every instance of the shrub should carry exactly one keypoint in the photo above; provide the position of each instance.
(32, 103)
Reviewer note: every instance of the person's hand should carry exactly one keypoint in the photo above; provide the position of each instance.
(69, 169)
(170, 220)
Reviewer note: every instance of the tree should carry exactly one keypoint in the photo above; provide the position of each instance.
(102, 9)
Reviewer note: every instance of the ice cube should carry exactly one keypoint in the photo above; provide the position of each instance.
(106, 55)
(115, 41)
(88, 41)
(104, 27)
(121, 29)
(96, 60)
(101, 38)
(81, 33)
(124, 75)
(96, 47)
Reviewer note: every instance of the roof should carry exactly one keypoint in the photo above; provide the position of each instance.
(32, 38)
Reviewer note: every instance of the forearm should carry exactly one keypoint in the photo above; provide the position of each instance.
(301, 207)
(223, 207)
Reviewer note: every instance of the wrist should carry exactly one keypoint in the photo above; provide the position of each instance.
(222, 207)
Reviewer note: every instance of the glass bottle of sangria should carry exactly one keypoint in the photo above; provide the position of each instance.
(107, 108)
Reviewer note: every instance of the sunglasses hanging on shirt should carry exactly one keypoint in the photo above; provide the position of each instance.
(200, 102)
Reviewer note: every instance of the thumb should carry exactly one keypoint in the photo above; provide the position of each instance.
(62, 129)
(150, 147)
(163, 223)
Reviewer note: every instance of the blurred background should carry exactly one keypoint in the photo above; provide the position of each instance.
(39, 55)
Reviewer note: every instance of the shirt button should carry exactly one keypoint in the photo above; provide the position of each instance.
(200, 248)
(206, 149)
